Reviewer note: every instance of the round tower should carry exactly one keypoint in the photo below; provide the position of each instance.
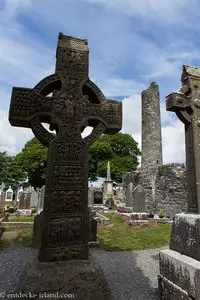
(151, 128)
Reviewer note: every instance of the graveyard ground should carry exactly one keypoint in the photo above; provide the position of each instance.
(120, 236)
(130, 274)
(117, 236)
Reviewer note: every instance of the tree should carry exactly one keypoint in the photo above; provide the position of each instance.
(120, 149)
(10, 172)
(123, 155)
(98, 151)
(33, 160)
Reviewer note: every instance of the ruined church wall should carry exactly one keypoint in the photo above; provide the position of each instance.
(165, 189)
(171, 192)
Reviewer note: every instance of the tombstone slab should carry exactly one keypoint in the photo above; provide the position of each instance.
(139, 199)
(25, 198)
(129, 195)
(76, 103)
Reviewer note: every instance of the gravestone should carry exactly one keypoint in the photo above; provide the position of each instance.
(9, 195)
(129, 195)
(139, 199)
(25, 198)
(2, 196)
(180, 265)
(40, 193)
(76, 103)
(19, 193)
(98, 197)
(90, 196)
(34, 198)
(108, 184)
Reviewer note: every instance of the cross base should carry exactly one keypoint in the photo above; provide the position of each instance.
(64, 253)
(185, 237)
(74, 279)
(180, 265)
(179, 276)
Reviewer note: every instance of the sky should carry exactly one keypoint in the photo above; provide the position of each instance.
(131, 43)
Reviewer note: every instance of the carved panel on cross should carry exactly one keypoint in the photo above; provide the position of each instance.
(68, 176)
(65, 231)
(70, 201)
(68, 152)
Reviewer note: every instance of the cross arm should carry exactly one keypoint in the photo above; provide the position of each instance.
(109, 112)
(25, 104)
(112, 114)
(179, 103)
(176, 101)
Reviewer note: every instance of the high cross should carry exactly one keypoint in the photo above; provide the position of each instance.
(186, 104)
(69, 101)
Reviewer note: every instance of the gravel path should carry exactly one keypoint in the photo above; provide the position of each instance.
(13, 261)
(131, 275)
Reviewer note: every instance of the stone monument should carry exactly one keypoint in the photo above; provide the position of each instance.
(91, 195)
(76, 102)
(129, 195)
(180, 265)
(139, 199)
(25, 198)
(108, 184)
(40, 203)
(20, 190)
(138, 204)
(34, 198)
(9, 195)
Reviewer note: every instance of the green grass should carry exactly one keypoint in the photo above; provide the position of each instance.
(21, 219)
(116, 219)
(121, 237)
(24, 237)
(117, 236)
(3, 244)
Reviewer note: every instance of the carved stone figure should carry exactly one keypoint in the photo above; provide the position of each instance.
(76, 102)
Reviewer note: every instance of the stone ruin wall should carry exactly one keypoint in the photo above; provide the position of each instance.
(165, 190)
(171, 192)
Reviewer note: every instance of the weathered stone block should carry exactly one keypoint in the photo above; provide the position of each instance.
(139, 216)
(38, 223)
(81, 278)
(186, 235)
(36, 242)
(170, 291)
(182, 271)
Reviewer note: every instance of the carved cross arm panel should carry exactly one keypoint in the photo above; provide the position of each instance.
(109, 112)
(26, 104)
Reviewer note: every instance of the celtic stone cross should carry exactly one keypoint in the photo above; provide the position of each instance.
(186, 104)
(69, 101)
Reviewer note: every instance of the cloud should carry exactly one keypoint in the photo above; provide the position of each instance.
(173, 142)
(12, 139)
(131, 44)
(172, 11)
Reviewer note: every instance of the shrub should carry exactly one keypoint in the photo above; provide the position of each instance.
(161, 212)
(33, 210)
(11, 210)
